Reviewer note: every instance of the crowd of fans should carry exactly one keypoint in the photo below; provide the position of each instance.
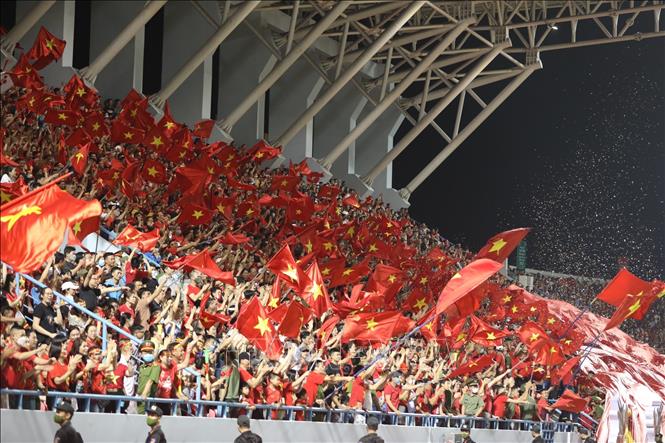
(48, 345)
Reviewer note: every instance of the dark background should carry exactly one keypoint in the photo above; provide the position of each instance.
(577, 152)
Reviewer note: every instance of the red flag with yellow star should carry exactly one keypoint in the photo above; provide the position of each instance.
(288, 183)
(9, 191)
(203, 128)
(47, 48)
(469, 278)
(499, 247)
(133, 238)
(570, 402)
(195, 215)
(285, 267)
(295, 317)
(123, 133)
(33, 225)
(622, 285)
(61, 117)
(157, 140)
(532, 335)
(95, 125)
(80, 229)
(262, 151)
(203, 262)
(255, 326)
(167, 124)
(472, 367)
(24, 75)
(376, 327)
(80, 159)
(484, 334)
(78, 93)
(630, 305)
(154, 171)
(316, 294)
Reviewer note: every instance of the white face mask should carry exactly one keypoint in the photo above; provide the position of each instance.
(23, 341)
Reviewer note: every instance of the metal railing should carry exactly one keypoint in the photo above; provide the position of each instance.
(290, 413)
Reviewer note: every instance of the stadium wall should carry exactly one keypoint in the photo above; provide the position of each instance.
(36, 426)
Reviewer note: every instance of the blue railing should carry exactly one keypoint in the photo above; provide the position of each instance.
(290, 413)
(105, 325)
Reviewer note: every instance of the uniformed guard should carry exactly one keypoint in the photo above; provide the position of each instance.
(466, 434)
(535, 433)
(64, 412)
(372, 427)
(246, 435)
(155, 435)
(586, 436)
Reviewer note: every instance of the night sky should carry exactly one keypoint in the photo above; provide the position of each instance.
(577, 153)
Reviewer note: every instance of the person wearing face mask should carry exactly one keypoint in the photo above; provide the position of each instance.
(153, 418)
(148, 374)
(586, 436)
(63, 417)
(466, 434)
(472, 402)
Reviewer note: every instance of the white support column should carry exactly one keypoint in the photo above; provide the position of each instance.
(206, 50)
(283, 66)
(468, 130)
(395, 93)
(347, 75)
(137, 66)
(20, 29)
(435, 111)
(91, 72)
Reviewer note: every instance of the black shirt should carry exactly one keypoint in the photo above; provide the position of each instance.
(468, 440)
(538, 439)
(371, 438)
(67, 434)
(248, 437)
(156, 435)
(91, 297)
(46, 316)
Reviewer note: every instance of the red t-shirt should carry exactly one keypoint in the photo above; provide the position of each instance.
(117, 382)
(357, 397)
(392, 392)
(499, 406)
(58, 370)
(245, 376)
(9, 371)
(27, 366)
(166, 383)
(311, 386)
(98, 379)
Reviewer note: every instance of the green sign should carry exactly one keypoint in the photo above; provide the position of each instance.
(521, 256)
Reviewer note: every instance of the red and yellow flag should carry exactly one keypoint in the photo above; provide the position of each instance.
(255, 325)
(499, 247)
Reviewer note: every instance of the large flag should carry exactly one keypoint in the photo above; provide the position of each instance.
(473, 366)
(571, 402)
(630, 305)
(133, 238)
(32, 226)
(315, 293)
(484, 334)
(47, 48)
(499, 247)
(295, 317)
(285, 267)
(79, 93)
(465, 281)
(204, 263)
(254, 324)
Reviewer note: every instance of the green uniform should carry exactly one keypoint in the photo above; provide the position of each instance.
(146, 373)
(471, 403)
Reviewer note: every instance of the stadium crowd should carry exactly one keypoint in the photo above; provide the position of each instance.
(185, 320)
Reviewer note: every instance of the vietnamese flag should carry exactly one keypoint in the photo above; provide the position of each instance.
(195, 215)
(80, 229)
(255, 326)
(465, 281)
(61, 117)
(386, 275)
(563, 372)
(630, 305)
(47, 48)
(80, 159)
(295, 317)
(376, 327)
(167, 124)
(484, 334)
(123, 133)
(204, 263)
(156, 139)
(283, 265)
(473, 366)
(287, 183)
(571, 402)
(203, 128)
(79, 93)
(622, 285)
(95, 125)
(78, 137)
(25, 76)
(33, 225)
(133, 238)
(315, 293)
(224, 205)
(499, 247)
(262, 151)
(533, 336)
(230, 238)
(154, 171)
(9, 191)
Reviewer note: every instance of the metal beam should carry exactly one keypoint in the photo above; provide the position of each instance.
(466, 132)
(281, 67)
(348, 74)
(238, 16)
(21, 28)
(91, 71)
(370, 118)
(434, 112)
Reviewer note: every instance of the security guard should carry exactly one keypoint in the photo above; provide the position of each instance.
(535, 433)
(155, 435)
(63, 416)
(466, 434)
(586, 436)
(246, 435)
(372, 427)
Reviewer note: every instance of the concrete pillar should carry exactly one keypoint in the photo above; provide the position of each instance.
(205, 51)
(120, 40)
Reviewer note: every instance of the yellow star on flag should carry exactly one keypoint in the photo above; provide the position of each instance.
(461, 337)
(80, 92)
(497, 245)
(76, 228)
(79, 156)
(152, 172)
(211, 170)
(423, 280)
(169, 125)
(347, 272)
(316, 291)
(133, 112)
(373, 248)
(534, 337)
(96, 126)
(328, 246)
(506, 299)
(273, 302)
(514, 309)
(309, 246)
(128, 135)
(429, 325)
(392, 278)
(31, 102)
(262, 325)
(325, 271)
(157, 142)
(221, 208)
(259, 155)
(553, 350)
(49, 44)
(284, 183)
(371, 324)
(62, 116)
(291, 273)
(420, 303)
(634, 307)
(491, 336)
(351, 231)
(250, 211)
(551, 321)
(197, 214)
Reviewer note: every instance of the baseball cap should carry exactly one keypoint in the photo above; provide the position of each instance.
(465, 428)
(69, 285)
(154, 410)
(65, 406)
